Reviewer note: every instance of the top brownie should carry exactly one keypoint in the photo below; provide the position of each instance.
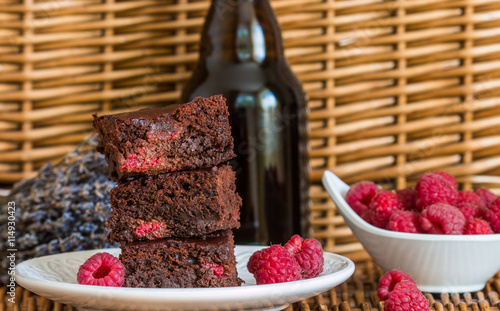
(150, 141)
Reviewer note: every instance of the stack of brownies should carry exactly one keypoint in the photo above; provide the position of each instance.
(175, 203)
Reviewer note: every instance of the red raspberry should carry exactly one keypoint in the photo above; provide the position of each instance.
(408, 196)
(469, 197)
(449, 178)
(360, 195)
(134, 164)
(273, 265)
(405, 221)
(433, 188)
(492, 214)
(486, 196)
(309, 255)
(405, 297)
(382, 206)
(469, 204)
(390, 279)
(367, 216)
(149, 227)
(217, 270)
(441, 218)
(477, 226)
(469, 210)
(102, 269)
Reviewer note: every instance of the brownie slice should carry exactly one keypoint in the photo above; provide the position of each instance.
(179, 204)
(181, 262)
(150, 141)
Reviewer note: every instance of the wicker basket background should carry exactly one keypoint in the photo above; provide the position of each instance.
(396, 88)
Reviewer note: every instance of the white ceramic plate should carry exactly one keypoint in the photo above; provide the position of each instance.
(54, 277)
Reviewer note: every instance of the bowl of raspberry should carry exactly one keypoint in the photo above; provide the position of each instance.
(447, 239)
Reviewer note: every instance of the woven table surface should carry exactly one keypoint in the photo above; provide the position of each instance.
(358, 293)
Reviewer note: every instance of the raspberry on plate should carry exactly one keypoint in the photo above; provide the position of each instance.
(492, 214)
(382, 206)
(273, 265)
(309, 255)
(433, 188)
(406, 297)
(389, 280)
(477, 226)
(405, 221)
(360, 195)
(102, 269)
(441, 218)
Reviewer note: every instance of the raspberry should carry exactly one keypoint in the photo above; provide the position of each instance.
(486, 196)
(469, 210)
(134, 164)
(408, 196)
(390, 279)
(477, 226)
(217, 270)
(102, 269)
(367, 216)
(433, 188)
(273, 265)
(360, 195)
(382, 206)
(469, 197)
(441, 218)
(492, 214)
(149, 227)
(406, 296)
(469, 204)
(405, 221)
(449, 178)
(309, 255)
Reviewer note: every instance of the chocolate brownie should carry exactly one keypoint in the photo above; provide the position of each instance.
(150, 141)
(181, 262)
(179, 204)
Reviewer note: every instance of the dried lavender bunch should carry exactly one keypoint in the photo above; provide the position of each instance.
(64, 208)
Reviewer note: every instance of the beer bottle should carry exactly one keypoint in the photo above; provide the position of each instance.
(241, 57)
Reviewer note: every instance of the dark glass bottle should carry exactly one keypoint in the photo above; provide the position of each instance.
(241, 57)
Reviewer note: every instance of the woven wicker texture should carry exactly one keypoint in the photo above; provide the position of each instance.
(359, 293)
(396, 87)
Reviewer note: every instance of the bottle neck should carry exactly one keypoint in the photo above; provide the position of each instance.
(241, 31)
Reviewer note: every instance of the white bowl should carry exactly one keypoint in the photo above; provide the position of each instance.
(438, 263)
